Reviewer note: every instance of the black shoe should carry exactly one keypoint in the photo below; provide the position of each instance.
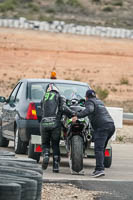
(45, 162)
(45, 159)
(98, 173)
(56, 161)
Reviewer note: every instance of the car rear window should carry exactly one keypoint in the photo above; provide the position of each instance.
(37, 90)
(70, 91)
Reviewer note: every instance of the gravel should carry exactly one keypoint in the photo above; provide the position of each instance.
(124, 135)
(52, 191)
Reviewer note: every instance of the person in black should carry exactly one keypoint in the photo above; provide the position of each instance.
(53, 106)
(102, 124)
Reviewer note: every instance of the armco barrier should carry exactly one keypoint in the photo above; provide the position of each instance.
(62, 27)
(128, 118)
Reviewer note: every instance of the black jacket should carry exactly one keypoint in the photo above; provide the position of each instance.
(97, 113)
(62, 108)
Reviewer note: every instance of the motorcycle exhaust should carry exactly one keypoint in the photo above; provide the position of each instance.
(89, 138)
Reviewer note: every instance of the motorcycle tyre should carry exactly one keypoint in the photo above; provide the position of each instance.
(77, 153)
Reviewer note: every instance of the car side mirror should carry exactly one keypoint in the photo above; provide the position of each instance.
(2, 99)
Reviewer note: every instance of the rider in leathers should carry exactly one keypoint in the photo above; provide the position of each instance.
(103, 126)
(53, 134)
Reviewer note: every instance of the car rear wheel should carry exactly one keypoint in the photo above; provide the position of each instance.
(19, 146)
(3, 141)
(108, 159)
(32, 154)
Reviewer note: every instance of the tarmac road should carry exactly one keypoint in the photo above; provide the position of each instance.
(116, 184)
(121, 169)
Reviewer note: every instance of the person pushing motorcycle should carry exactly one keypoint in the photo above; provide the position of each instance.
(53, 106)
(102, 124)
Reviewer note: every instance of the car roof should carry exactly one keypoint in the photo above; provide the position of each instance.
(54, 81)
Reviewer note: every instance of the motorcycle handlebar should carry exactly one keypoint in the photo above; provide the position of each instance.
(74, 101)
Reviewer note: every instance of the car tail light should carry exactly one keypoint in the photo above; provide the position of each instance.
(31, 113)
(107, 154)
(38, 148)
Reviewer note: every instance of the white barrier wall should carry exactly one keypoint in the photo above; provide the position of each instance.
(62, 27)
(117, 115)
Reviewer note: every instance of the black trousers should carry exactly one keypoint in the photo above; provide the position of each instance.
(51, 137)
(101, 138)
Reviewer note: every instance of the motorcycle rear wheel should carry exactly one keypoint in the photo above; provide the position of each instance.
(77, 153)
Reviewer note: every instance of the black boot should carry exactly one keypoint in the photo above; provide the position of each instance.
(56, 163)
(46, 155)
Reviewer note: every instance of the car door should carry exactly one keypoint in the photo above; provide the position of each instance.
(8, 114)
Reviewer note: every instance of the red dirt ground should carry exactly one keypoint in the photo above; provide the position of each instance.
(95, 60)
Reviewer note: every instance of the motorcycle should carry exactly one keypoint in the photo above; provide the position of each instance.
(77, 137)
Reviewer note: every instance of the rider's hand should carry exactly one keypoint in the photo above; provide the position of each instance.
(74, 119)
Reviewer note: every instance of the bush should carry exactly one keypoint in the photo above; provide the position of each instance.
(33, 7)
(73, 3)
(107, 9)
(113, 89)
(124, 81)
(118, 3)
(50, 10)
(8, 5)
(102, 93)
(97, 1)
(120, 138)
(59, 2)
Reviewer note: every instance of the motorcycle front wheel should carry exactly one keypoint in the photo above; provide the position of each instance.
(77, 153)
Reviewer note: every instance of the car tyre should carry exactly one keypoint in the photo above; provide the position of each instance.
(3, 141)
(32, 154)
(19, 146)
(108, 160)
